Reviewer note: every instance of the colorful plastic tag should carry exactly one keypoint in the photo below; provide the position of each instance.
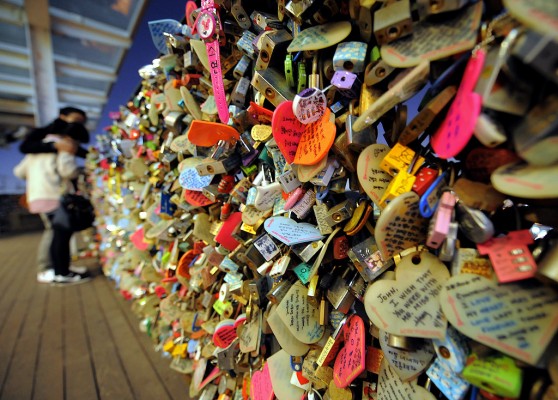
(287, 130)
(260, 385)
(207, 134)
(315, 142)
(309, 105)
(456, 130)
(350, 361)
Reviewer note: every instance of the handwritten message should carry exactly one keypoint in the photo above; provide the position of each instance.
(309, 105)
(516, 319)
(351, 359)
(408, 364)
(320, 37)
(432, 40)
(291, 232)
(260, 385)
(287, 130)
(286, 339)
(391, 387)
(409, 306)
(250, 334)
(196, 199)
(400, 225)
(181, 144)
(300, 317)
(372, 178)
(315, 142)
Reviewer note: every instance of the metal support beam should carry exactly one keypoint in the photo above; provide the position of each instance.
(16, 88)
(15, 106)
(79, 31)
(78, 72)
(43, 72)
(12, 14)
(15, 59)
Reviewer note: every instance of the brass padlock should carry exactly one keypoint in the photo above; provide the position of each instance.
(340, 212)
(273, 86)
(274, 42)
(393, 21)
(358, 140)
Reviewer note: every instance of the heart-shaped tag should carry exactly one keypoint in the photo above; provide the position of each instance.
(516, 319)
(300, 316)
(261, 132)
(400, 225)
(207, 134)
(457, 128)
(409, 305)
(286, 339)
(291, 232)
(225, 333)
(137, 239)
(526, 181)
(287, 130)
(251, 215)
(390, 386)
(372, 178)
(260, 385)
(320, 37)
(196, 199)
(280, 372)
(189, 177)
(315, 142)
(190, 103)
(407, 364)
(351, 359)
(224, 237)
(161, 26)
(307, 172)
(435, 39)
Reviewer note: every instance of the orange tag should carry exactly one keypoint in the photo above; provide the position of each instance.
(207, 134)
(287, 130)
(316, 141)
(196, 199)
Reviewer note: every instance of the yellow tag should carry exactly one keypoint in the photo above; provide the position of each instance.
(180, 350)
(222, 307)
(402, 183)
(261, 133)
(355, 219)
(168, 346)
(399, 159)
(247, 228)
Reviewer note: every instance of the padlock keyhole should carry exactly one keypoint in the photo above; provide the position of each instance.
(393, 32)
(348, 65)
(416, 259)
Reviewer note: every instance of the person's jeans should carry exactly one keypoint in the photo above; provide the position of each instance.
(43, 252)
(60, 249)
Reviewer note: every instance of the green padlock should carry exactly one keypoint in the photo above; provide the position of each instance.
(495, 374)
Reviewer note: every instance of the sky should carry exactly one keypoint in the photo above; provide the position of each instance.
(141, 52)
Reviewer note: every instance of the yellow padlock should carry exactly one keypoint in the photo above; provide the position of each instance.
(399, 159)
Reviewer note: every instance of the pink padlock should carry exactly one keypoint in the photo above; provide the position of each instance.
(294, 197)
(440, 222)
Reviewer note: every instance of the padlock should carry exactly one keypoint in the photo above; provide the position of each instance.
(242, 67)
(439, 224)
(431, 7)
(264, 22)
(376, 72)
(278, 292)
(210, 166)
(240, 91)
(339, 294)
(474, 224)
(240, 14)
(297, 9)
(274, 42)
(245, 44)
(358, 140)
(340, 212)
(350, 57)
(347, 83)
(393, 21)
(302, 82)
(538, 52)
(272, 85)
(306, 251)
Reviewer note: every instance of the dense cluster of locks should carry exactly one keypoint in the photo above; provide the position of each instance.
(343, 199)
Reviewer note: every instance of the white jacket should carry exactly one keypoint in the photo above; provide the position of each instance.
(45, 174)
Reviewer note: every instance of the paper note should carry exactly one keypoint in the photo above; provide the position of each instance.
(391, 387)
(516, 319)
(249, 338)
(286, 339)
(300, 317)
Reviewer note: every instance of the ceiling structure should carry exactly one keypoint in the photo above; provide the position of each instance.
(61, 53)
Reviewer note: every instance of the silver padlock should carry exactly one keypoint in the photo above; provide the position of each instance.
(240, 91)
(273, 86)
(274, 42)
(393, 21)
(340, 212)
(340, 295)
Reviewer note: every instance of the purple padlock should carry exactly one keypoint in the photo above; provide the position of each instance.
(347, 83)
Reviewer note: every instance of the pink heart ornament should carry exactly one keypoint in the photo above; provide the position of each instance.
(407, 364)
(410, 305)
(260, 385)
(351, 359)
(517, 319)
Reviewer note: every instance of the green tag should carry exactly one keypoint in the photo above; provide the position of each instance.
(221, 306)
(375, 54)
(497, 374)
(303, 272)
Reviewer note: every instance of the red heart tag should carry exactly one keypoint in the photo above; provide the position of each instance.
(350, 361)
(196, 199)
(287, 130)
(260, 385)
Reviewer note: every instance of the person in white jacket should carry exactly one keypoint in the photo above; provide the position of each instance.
(47, 176)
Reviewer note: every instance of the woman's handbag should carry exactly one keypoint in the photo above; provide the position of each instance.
(75, 213)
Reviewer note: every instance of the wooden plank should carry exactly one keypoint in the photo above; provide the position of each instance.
(110, 376)
(175, 382)
(137, 365)
(14, 308)
(78, 368)
(49, 376)
(20, 379)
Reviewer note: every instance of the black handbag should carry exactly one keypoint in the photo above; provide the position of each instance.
(75, 213)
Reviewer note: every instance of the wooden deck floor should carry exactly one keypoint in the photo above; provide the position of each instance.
(79, 342)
